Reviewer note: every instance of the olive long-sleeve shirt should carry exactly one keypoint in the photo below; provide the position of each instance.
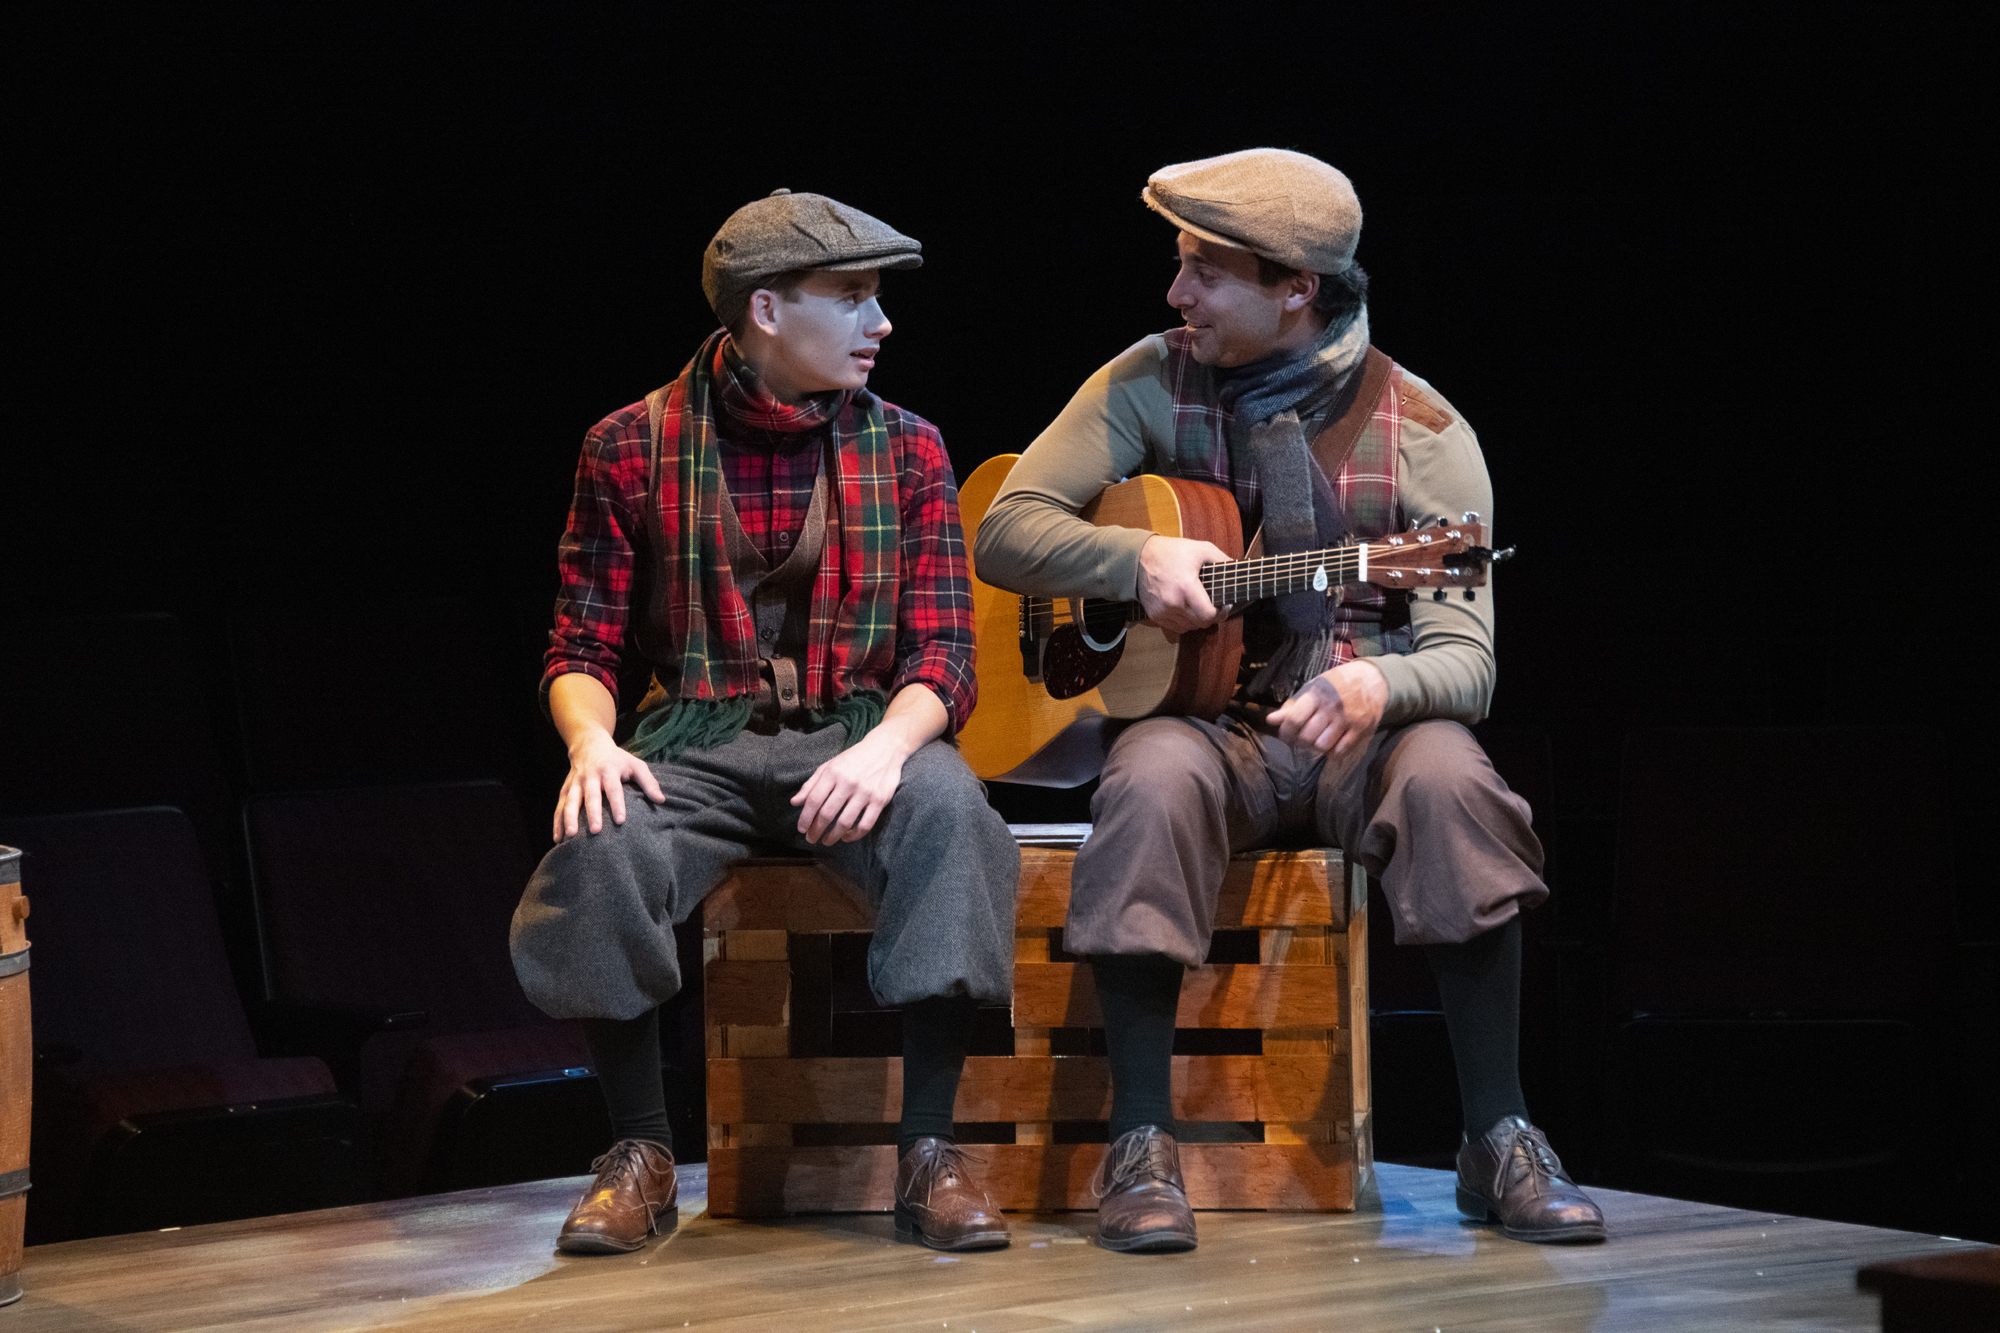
(1120, 423)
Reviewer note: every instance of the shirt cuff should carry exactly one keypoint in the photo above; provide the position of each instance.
(1405, 695)
(941, 690)
(1118, 567)
(564, 668)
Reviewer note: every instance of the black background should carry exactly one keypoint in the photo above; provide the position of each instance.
(314, 303)
(319, 301)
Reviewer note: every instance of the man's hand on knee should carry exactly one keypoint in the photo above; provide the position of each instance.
(599, 768)
(1336, 710)
(845, 795)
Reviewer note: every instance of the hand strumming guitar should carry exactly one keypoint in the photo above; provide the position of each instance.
(1170, 583)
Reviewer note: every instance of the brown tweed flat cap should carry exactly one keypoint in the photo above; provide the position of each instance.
(786, 231)
(1270, 201)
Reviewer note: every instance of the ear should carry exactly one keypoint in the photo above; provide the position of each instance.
(1304, 287)
(764, 311)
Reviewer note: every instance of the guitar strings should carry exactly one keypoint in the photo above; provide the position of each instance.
(1226, 583)
(1099, 614)
(1237, 581)
(1284, 573)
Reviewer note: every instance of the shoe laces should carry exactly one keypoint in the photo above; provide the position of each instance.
(1530, 1155)
(1136, 1156)
(946, 1159)
(627, 1157)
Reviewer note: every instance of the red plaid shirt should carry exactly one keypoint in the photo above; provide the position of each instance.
(770, 476)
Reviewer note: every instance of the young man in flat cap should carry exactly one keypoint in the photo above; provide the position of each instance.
(1271, 390)
(782, 550)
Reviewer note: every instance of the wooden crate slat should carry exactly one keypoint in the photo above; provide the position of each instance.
(869, 1090)
(1309, 1090)
(1262, 889)
(1042, 901)
(771, 1182)
(754, 1182)
(795, 894)
(1226, 995)
(747, 994)
(823, 1090)
(1259, 890)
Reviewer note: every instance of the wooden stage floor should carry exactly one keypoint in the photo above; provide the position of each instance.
(485, 1260)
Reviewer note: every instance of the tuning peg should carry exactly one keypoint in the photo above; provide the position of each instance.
(1471, 516)
(1470, 595)
(1438, 596)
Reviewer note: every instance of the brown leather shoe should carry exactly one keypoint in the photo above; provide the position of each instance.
(1512, 1174)
(1145, 1205)
(634, 1193)
(938, 1203)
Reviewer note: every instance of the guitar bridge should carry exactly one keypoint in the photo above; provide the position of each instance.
(1031, 647)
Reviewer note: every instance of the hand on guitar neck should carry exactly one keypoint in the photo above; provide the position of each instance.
(1170, 583)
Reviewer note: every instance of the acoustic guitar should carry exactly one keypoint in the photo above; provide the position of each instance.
(1054, 672)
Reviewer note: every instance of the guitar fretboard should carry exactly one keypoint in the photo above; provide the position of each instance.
(1225, 582)
(1277, 575)
(1407, 561)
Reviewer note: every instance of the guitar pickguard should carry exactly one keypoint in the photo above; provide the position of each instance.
(1071, 667)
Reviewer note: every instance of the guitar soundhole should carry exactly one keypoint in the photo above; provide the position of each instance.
(1070, 666)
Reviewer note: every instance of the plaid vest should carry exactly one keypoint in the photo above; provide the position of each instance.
(1367, 623)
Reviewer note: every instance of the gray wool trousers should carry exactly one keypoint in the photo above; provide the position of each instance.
(1420, 807)
(593, 935)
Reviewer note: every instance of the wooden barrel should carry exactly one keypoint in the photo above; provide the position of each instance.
(17, 1064)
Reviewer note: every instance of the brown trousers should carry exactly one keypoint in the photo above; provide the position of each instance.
(1421, 808)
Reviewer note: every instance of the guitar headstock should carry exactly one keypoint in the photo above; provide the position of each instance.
(1449, 555)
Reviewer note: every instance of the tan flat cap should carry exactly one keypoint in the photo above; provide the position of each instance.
(785, 231)
(1270, 201)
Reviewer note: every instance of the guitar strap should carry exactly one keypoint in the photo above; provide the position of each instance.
(1335, 442)
(1337, 438)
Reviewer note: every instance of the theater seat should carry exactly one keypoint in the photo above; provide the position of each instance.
(398, 899)
(152, 1106)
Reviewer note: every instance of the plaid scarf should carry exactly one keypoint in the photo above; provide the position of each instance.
(1210, 444)
(851, 644)
(1265, 400)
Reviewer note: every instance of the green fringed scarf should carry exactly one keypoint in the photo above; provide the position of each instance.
(850, 652)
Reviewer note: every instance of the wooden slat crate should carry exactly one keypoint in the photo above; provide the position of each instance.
(1308, 1088)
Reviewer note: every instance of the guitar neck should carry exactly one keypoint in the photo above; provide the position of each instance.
(1432, 558)
(1274, 576)
(1235, 581)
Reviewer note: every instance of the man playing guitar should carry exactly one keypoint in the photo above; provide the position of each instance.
(1271, 390)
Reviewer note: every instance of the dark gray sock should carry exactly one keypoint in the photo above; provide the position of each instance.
(626, 1053)
(1139, 994)
(1480, 984)
(936, 1035)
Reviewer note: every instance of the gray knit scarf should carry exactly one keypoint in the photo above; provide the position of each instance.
(1266, 400)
